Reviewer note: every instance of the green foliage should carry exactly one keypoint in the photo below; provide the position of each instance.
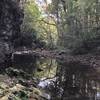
(77, 21)
(63, 23)
(29, 28)
(45, 30)
(31, 15)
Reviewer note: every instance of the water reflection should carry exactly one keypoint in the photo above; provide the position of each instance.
(77, 82)
(46, 68)
(62, 80)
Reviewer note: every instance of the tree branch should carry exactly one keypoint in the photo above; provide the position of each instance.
(42, 20)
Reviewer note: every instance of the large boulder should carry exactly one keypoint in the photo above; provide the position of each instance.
(11, 15)
(4, 50)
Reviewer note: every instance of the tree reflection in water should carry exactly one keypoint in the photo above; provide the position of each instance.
(75, 82)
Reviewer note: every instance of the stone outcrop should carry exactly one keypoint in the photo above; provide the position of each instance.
(19, 85)
(11, 16)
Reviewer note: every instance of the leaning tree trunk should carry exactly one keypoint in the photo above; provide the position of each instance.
(11, 15)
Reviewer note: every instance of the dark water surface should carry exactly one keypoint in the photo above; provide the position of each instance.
(61, 80)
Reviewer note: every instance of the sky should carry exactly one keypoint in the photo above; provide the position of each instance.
(41, 2)
(42, 5)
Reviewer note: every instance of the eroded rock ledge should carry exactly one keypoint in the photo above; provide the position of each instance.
(11, 16)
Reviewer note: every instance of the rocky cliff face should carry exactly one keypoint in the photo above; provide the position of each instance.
(11, 15)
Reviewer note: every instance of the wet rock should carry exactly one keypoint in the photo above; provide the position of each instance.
(14, 90)
(12, 72)
(4, 49)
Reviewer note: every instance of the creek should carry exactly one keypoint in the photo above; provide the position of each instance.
(58, 79)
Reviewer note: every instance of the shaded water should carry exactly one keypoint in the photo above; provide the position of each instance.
(61, 80)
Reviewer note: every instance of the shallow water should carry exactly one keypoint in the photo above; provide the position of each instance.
(61, 80)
